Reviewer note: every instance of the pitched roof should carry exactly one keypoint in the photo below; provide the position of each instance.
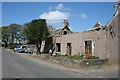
(98, 25)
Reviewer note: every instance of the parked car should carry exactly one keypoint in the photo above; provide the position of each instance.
(3, 44)
(20, 48)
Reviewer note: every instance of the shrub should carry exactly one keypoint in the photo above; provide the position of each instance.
(76, 57)
(11, 45)
(58, 55)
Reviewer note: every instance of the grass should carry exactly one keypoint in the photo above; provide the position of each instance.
(75, 57)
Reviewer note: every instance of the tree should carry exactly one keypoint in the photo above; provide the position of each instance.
(36, 31)
(5, 33)
(10, 33)
(13, 29)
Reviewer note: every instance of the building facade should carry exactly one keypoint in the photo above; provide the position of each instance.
(101, 41)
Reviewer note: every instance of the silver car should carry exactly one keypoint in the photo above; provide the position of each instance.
(20, 48)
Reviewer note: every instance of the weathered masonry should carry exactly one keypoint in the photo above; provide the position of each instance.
(112, 37)
(88, 43)
(101, 41)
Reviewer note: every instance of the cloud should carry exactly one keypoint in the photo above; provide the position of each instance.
(59, 7)
(50, 8)
(83, 16)
(54, 16)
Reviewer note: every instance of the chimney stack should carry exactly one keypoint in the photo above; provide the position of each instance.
(65, 23)
(117, 7)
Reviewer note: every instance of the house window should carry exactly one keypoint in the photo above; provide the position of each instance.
(65, 33)
(58, 47)
(112, 32)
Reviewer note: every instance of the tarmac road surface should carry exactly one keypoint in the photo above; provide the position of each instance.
(18, 66)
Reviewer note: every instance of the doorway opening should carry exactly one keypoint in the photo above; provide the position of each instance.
(69, 48)
(88, 49)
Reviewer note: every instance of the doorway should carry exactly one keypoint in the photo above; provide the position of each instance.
(69, 49)
(88, 49)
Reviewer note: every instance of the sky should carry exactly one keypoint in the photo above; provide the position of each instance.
(80, 15)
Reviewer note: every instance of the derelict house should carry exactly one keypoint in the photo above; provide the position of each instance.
(100, 41)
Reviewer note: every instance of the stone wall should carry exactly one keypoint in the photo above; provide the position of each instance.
(77, 41)
(112, 40)
(119, 38)
(75, 63)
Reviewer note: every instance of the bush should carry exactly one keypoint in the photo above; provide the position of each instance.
(76, 57)
(11, 45)
(59, 55)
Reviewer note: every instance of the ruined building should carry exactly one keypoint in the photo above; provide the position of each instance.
(101, 41)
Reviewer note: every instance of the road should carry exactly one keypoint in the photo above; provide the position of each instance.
(0, 63)
(15, 65)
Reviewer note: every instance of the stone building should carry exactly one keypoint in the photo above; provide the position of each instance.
(89, 43)
(101, 41)
(113, 35)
